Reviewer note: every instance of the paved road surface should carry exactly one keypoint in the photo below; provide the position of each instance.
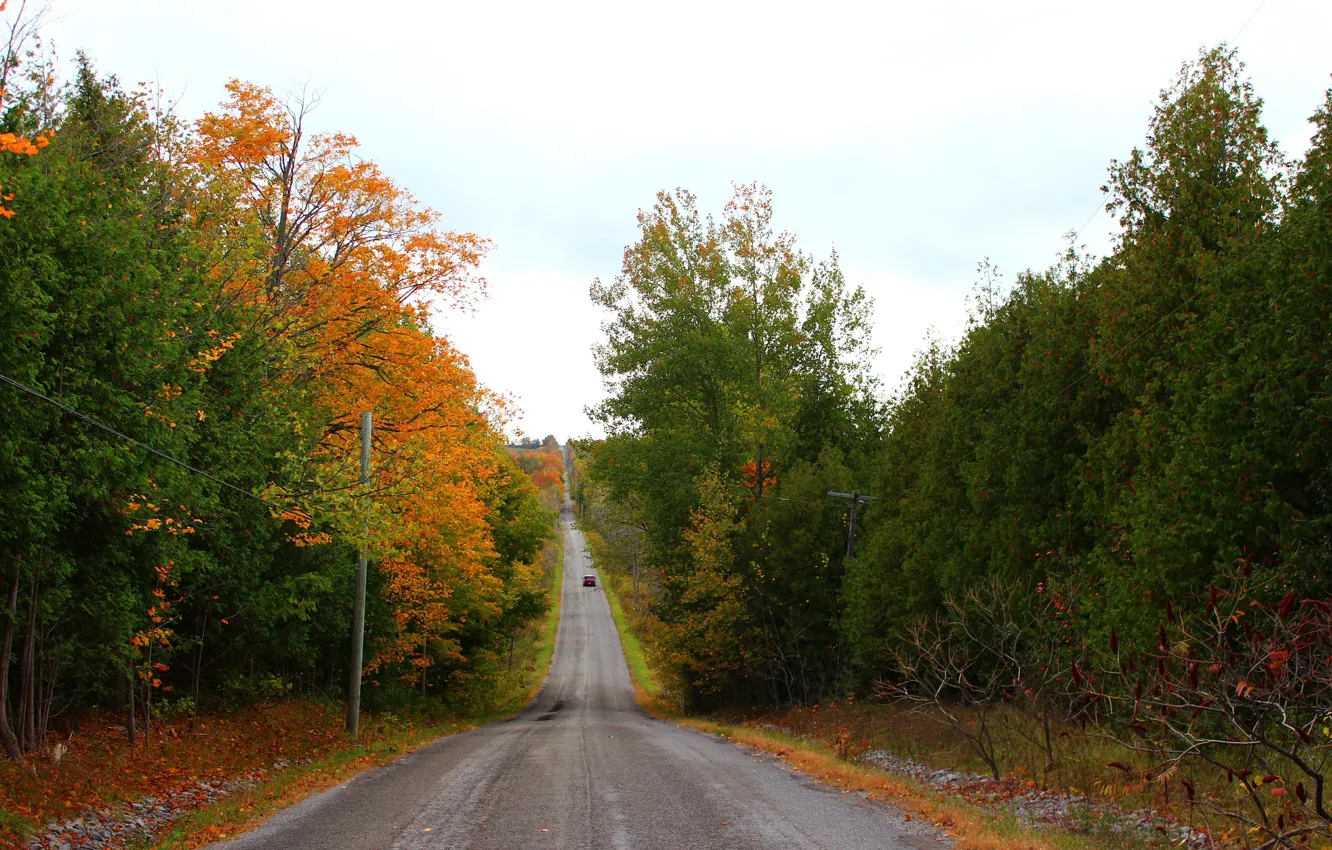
(582, 768)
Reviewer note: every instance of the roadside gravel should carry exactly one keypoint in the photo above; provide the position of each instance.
(1031, 805)
(115, 827)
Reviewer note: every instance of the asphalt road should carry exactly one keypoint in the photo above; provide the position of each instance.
(583, 768)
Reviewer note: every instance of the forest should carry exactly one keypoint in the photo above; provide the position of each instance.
(1107, 506)
(1109, 501)
(194, 316)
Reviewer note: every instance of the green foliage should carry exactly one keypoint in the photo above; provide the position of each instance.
(736, 371)
(239, 690)
(164, 711)
(1145, 421)
(1136, 424)
(130, 575)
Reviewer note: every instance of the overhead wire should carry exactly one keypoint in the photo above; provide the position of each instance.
(1100, 205)
(158, 453)
(1249, 21)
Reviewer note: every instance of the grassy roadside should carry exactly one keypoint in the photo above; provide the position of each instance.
(387, 738)
(542, 645)
(245, 809)
(970, 827)
(643, 678)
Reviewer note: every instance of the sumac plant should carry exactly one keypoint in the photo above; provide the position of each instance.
(998, 644)
(1241, 681)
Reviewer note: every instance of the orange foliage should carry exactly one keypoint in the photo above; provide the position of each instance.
(544, 465)
(98, 767)
(338, 272)
(10, 143)
(749, 479)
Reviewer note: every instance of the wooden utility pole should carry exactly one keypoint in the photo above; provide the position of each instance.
(856, 498)
(358, 609)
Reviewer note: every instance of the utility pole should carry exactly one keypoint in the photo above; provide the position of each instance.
(358, 610)
(856, 498)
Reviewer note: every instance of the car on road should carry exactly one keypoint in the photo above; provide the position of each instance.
(589, 581)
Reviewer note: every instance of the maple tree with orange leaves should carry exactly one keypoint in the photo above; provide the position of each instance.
(339, 293)
(12, 143)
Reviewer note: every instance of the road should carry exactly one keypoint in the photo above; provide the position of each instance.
(583, 768)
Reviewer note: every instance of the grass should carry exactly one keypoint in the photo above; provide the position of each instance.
(1082, 761)
(639, 671)
(244, 809)
(970, 827)
(541, 644)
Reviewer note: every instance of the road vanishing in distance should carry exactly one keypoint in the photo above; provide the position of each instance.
(582, 767)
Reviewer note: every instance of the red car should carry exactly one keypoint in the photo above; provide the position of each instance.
(589, 581)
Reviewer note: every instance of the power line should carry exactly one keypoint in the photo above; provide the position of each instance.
(788, 499)
(1249, 21)
(24, 388)
(1100, 206)
(1087, 223)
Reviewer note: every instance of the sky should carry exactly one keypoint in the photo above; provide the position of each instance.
(916, 139)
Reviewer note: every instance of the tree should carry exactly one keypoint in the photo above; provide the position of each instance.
(731, 355)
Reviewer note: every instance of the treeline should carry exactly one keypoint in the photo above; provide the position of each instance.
(231, 294)
(544, 464)
(1148, 422)
(1140, 428)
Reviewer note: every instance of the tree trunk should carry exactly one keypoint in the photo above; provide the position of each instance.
(129, 711)
(39, 704)
(148, 703)
(758, 472)
(46, 689)
(7, 736)
(198, 668)
(1049, 744)
(27, 677)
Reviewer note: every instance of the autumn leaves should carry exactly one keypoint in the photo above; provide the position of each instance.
(340, 295)
(233, 292)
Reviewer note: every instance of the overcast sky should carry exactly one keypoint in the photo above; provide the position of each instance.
(918, 139)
